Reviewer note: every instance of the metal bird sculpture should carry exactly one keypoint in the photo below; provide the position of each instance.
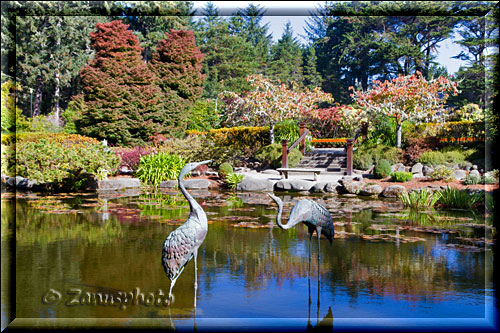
(182, 244)
(312, 214)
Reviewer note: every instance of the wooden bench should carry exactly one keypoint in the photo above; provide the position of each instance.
(285, 171)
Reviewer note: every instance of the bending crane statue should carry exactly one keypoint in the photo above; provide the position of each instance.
(182, 244)
(312, 214)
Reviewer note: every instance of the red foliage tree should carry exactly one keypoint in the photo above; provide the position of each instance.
(123, 104)
(177, 64)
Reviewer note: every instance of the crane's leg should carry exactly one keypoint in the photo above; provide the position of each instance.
(310, 253)
(195, 277)
(172, 283)
(318, 231)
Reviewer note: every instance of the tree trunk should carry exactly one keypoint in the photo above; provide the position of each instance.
(56, 101)
(271, 133)
(37, 105)
(399, 127)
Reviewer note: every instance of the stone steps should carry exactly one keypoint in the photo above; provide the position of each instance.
(331, 159)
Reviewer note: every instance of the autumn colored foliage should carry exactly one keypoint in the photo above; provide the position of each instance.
(177, 64)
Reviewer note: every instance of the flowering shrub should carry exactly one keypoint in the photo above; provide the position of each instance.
(409, 97)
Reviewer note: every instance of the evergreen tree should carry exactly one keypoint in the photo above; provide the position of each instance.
(122, 102)
(52, 46)
(229, 58)
(177, 64)
(312, 78)
(286, 58)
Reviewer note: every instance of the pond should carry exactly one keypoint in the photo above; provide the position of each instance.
(84, 256)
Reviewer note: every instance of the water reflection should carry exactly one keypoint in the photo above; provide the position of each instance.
(248, 272)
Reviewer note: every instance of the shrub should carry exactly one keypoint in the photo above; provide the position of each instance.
(155, 168)
(225, 169)
(130, 157)
(271, 155)
(419, 198)
(454, 157)
(415, 146)
(442, 173)
(432, 158)
(471, 180)
(361, 160)
(233, 179)
(401, 176)
(191, 148)
(382, 169)
(50, 161)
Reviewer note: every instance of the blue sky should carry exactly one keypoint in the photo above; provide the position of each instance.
(279, 12)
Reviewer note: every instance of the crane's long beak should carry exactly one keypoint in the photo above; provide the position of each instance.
(204, 162)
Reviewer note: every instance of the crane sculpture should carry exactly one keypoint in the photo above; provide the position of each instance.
(182, 244)
(313, 215)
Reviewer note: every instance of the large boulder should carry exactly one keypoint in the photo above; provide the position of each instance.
(459, 174)
(295, 185)
(392, 191)
(474, 173)
(398, 167)
(417, 168)
(350, 186)
(118, 184)
(371, 190)
(426, 170)
(254, 184)
(189, 184)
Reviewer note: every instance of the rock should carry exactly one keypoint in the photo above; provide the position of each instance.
(398, 167)
(168, 184)
(351, 187)
(427, 170)
(319, 187)
(418, 175)
(459, 174)
(295, 185)
(19, 183)
(332, 187)
(189, 184)
(474, 167)
(392, 191)
(118, 184)
(370, 190)
(417, 168)
(271, 172)
(474, 173)
(254, 184)
(212, 173)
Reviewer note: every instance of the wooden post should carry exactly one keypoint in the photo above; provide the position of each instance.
(350, 143)
(302, 146)
(284, 158)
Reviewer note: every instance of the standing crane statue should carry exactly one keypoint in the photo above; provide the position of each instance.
(182, 244)
(312, 214)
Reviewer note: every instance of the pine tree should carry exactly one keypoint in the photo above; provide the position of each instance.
(177, 64)
(286, 58)
(312, 78)
(123, 104)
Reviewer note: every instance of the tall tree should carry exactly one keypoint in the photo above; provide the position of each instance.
(177, 64)
(52, 44)
(229, 57)
(312, 78)
(286, 58)
(122, 102)
(151, 19)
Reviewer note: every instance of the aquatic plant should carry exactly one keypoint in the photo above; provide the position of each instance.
(153, 169)
(461, 199)
(423, 198)
(233, 179)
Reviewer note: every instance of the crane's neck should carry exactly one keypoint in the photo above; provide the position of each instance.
(195, 208)
(280, 212)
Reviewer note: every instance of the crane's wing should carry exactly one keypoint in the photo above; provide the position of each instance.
(178, 250)
(322, 217)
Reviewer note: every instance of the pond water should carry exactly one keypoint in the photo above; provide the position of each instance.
(84, 256)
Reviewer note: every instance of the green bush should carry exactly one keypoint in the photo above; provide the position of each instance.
(271, 155)
(432, 158)
(401, 176)
(361, 160)
(225, 169)
(153, 169)
(471, 180)
(442, 173)
(454, 157)
(51, 161)
(382, 169)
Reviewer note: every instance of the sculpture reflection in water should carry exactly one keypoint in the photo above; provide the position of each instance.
(316, 218)
(183, 243)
